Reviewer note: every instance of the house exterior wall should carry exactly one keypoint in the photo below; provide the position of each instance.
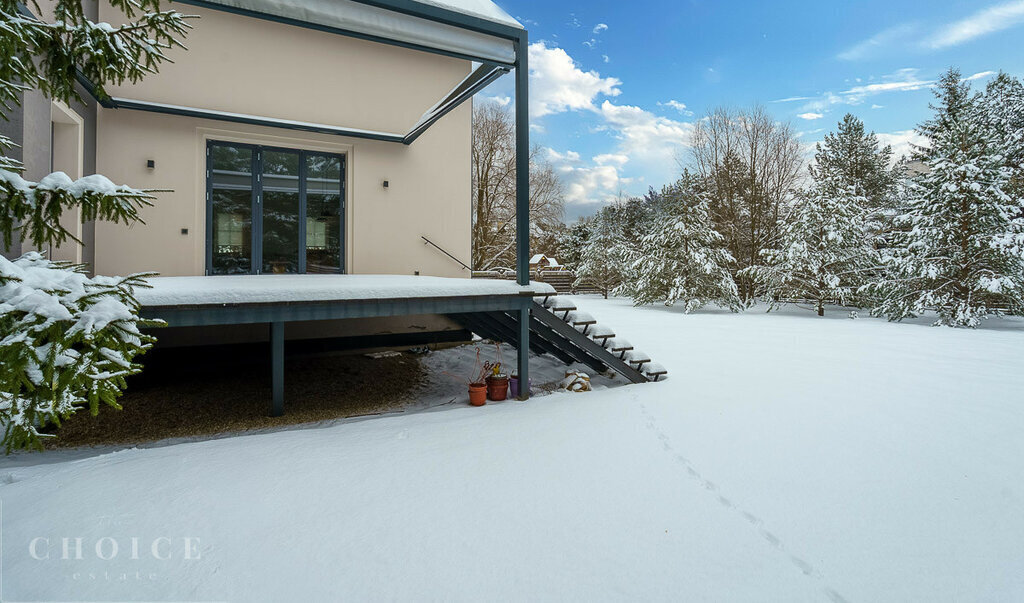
(245, 65)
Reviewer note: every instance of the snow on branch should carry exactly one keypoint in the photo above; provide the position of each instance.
(34, 208)
(66, 340)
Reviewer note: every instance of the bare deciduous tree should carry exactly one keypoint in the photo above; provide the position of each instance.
(494, 190)
(750, 165)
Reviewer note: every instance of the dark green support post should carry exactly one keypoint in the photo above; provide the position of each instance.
(523, 204)
(277, 368)
(524, 353)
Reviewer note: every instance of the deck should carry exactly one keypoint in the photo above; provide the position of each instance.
(195, 301)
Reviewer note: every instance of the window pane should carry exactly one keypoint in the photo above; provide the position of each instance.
(231, 180)
(323, 213)
(280, 212)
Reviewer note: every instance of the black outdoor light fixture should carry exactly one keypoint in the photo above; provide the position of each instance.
(150, 163)
(386, 183)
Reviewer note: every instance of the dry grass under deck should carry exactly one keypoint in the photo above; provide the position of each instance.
(176, 398)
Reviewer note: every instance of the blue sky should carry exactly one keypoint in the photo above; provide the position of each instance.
(617, 85)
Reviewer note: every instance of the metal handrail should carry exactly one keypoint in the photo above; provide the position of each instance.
(441, 249)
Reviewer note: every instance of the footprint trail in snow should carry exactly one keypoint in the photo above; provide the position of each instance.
(806, 568)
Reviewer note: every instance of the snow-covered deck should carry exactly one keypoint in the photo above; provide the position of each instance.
(171, 291)
(195, 301)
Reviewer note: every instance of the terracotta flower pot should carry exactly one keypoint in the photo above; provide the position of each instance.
(477, 394)
(497, 387)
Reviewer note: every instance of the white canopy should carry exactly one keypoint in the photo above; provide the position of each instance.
(372, 21)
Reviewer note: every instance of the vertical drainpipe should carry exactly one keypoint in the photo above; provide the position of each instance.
(523, 205)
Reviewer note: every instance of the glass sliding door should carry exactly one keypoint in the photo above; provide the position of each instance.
(230, 215)
(274, 211)
(323, 213)
(280, 207)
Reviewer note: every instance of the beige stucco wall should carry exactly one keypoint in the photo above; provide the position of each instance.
(256, 67)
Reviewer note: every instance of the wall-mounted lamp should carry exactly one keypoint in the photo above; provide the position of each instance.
(150, 163)
(184, 231)
(386, 183)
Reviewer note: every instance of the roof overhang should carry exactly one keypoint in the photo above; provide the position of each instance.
(453, 27)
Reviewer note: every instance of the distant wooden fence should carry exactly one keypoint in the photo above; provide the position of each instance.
(562, 280)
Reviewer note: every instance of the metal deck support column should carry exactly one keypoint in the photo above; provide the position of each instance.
(523, 204)
(524, 353)
(277, 367)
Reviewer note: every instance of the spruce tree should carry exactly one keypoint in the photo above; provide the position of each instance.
(571, 243)
(825, 249)
(66, 339)
(601, 263)
(680, 258)
(1002, 108)
(852, 157)
(960, 250)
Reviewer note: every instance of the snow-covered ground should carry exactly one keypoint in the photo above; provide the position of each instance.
(787, 458)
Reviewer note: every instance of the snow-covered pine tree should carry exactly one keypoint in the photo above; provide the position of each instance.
(680, 258)
(571, 243)
(825, 248)
(960, 251)
(66, 339)
(601, 263)
(852, 157)
(1002, 107)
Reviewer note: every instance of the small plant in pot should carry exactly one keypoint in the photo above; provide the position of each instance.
(497, 385)
(478, 394)
(513, 385)
(477, 382)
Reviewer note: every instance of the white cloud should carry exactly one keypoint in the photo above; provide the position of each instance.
(876, 106)
(981, 23)
(678, 106)
(790, 99)
(611, 158)
(648, 143)
(810, 116)
(606, 59)
(600, 27)
(903, 80)
(562, 158)
(876, 43)
(589, 184)
(502, 101)
(558, 85)
(645, 137)
(901, 141)
(978, 76)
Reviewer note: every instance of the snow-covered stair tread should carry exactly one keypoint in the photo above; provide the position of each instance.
(598, 331)
(561, 305)
(637, 357)
(618, 344)
(654, 369)
(580, 318)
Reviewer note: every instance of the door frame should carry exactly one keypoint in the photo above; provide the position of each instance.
(256, 203)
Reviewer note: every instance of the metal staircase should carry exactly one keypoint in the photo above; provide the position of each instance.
(572, 336)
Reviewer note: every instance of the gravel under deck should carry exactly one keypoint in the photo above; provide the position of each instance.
(176, 397)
